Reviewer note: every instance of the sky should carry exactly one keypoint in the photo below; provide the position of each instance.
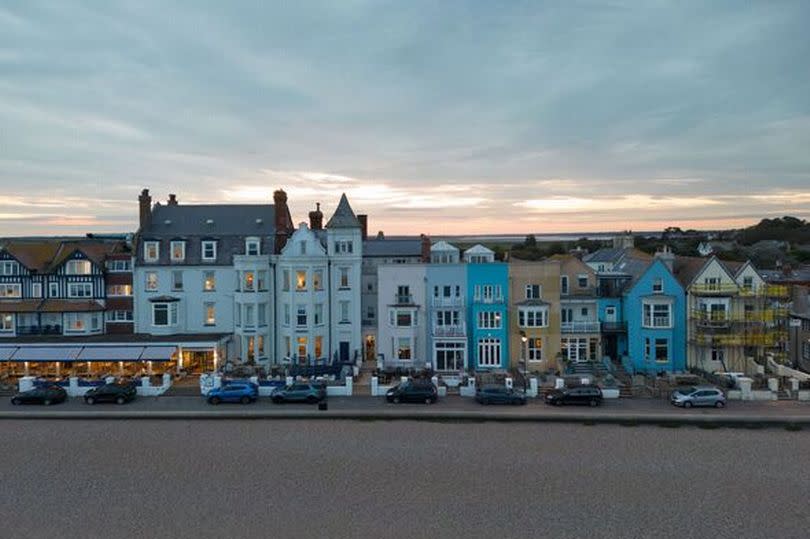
(437, 117)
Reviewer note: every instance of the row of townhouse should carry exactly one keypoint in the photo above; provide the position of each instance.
(198, 285)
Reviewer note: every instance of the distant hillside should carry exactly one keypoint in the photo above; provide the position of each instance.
(789, 229)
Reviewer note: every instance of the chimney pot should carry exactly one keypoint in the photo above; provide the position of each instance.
(316, 218)
(144, 209)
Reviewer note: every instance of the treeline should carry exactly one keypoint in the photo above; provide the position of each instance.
(789, 229)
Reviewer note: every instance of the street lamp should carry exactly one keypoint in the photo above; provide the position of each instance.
(524, 339)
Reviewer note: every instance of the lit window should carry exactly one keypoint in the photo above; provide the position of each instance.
(6, 322)
(344, 277)
(78, 267)
(10, 290)
(178, 251)
(151, 281)
(210, 315)
(209, 281)
(317, 279)
(247, 281)
(151, 251)
(300, 280)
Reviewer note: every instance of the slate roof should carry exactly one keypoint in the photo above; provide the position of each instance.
(391, 247)
(344, 216)
(45, 255)
(226, 220)
(51, 306)
(604, 255)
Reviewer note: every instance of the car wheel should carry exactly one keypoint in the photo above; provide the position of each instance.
(46, 402)
(90, 400)
(428, 400)
(245, 400)
(484, 402)
(214, 400)
(593, 403)
(687, 404)
(312, 400)
(277, 400)
(16, 402)
(120, 400)
(719, 404)
(395, 400)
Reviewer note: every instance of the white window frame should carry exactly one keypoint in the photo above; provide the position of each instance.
(147, 280)
(490, 320)
(253, 246)
(533, 353)
(6, 322)
(6, 287)
(148, 246)
(209, 314)
(171, 314)
(658, 285)
(564, 284)
(344, 312)
(36, 290)
(71, 267)
(530, 291)
(86, 290)
(533, 317)
(176, 282)
(9, 267)
(343, 283)
(204, 246)
(489, 352)
(53, 289)
(213, 281)
(653, 320)
(182, 245)
(119, 290)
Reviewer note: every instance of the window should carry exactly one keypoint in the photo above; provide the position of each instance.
(584, 312)
(302, 351)
(250, 319)
(658, 286)
(449, 356)
(534, 349)
(318, 314)
(404, 348)
(262, 314)
(119, 316)
(447, 291)
(118, 266)
(718, 354)
(806, 350)
(447, 318)
(210, 314)
(647, 348)
(237, 314)
(285, 284)
(10, 290)
(404, 294)
(661, 350)
(178, 251)
(404, 319)
(78, 267)
(36, 290)
(177, 280)
(344, 312)
(164, 314)
(748, 283)
(74, 322)
(6, 322)
(209, 250)
(151, 251)
(302, 248)
(532, 291)
(564, 284)
(151, 281)
(344, 277)
(489, 292)
(579, 349)
(301, 315)
(370, 312)
(286, 314)
(343, 247)
(317, 279)
(489, 320)
(260, 341)
(489, 352)
(8, 267)
(209, 281)
(114, 290)
(657, 315)
(533, 317)
(262, 280)
(318, 347)
(252, 246)
(300, 280)
(582, 280)
(53, 290)
(80, 290)
(247, 281)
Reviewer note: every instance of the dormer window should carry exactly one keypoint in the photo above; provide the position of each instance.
(78, 267)
(252, 246)
(209, 250)
(178, 251)
(151, 251)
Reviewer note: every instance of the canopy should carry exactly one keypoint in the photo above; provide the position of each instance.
(111, 353)
(158, 353)
(47, 353)
(6, 352)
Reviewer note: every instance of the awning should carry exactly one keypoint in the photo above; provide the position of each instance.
(111, 353)
(158, 353)
(6, 352)
(47, 353)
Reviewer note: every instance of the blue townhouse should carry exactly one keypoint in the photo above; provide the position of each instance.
(447, 321)
(654, 306)
(487, 290)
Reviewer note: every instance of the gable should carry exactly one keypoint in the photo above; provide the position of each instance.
(656, 270)
(306, 237)
(714, 269)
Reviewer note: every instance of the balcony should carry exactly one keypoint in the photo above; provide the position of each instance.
(39, 330)
(488, 300)
(444, 301)
(714, 289)
(614, 327)
(403, 299)
(581, 326)
(450, 331)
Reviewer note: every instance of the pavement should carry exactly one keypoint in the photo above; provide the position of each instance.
(453, 408)
(213, 479)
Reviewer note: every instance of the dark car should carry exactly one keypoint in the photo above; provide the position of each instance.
(117, 393)
(243, 392)
(589, 395)
(413, 391)
(495, 394)
(46, 395)
(299, 392)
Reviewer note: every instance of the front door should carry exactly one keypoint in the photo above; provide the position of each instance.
(344, 351)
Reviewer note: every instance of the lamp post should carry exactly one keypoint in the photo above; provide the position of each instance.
(524, 339)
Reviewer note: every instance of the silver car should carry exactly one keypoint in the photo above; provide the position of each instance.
(698, 396)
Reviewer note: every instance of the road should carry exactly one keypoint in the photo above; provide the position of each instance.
(154, 479)
(641, 406)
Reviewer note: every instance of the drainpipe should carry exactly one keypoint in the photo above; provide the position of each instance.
(329, 304)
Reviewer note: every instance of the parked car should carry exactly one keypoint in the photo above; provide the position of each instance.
(698, 396)
(589, 395)
(299, 392)
(413, 391)
(496, 394)
(242, 392)
(46, 395)
(115, 392)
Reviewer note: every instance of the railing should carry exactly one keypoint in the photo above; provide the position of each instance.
(608, 327)
(758, 315)
(657, 322)
(403, 299)
(443, 301)
(39, 330)
(767, 290)
(449, 331)
(488, 299)
(714, 288)
(771, 338)
(587, 326)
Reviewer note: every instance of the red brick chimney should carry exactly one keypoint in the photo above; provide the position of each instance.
(145, 209)
(425, 248)
(363, 218)
(172, 199)
(284, 226)
(316, 218)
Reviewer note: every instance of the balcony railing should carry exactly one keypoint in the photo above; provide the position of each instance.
(768, 338)
(657, 322)
(488, 299)
(708, 289)
(444, 301)
(39, 330)
(614, 327)
(450, 331)
(403, 299)
(585, 326)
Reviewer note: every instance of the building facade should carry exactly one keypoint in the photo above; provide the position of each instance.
(488, 315)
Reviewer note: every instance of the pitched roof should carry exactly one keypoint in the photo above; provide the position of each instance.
(44, 255)
(392, 247)
(479, 249)
(443, 246)
(69, 306)
(604, 255)
(211, 220)
(344, 216)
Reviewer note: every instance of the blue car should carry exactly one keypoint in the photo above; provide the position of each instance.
(243, 392)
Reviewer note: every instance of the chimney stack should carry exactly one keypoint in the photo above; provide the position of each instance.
(666, 256)
(316, 218)
(363, 218)
(172, 199)
(283, 222)
(145, 209)
(425, 248)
